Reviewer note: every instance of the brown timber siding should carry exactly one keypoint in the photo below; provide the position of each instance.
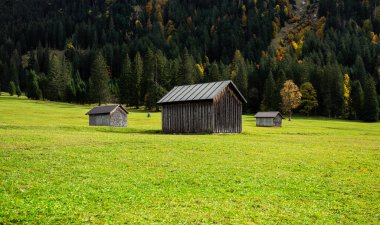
(228, 112)
(222, 115)
(192, 117)
(100, 120)
(264, 122)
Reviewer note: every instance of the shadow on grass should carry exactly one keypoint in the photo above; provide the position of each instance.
(127, 130)
(141, 131)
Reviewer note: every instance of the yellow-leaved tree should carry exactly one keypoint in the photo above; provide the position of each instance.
(290, 96)
(346, 94)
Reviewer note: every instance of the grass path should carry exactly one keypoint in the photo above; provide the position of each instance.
(54, 169)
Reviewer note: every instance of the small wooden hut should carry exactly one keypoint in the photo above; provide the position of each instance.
(268, 119)
(203, 108)
(110, 115)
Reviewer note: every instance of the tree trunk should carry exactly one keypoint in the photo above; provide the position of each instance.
(290, 115)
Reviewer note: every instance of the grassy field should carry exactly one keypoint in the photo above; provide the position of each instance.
(54, 169)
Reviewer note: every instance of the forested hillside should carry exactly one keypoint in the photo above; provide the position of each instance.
(133, 52)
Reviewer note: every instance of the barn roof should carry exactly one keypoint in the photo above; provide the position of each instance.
(104, 109)
(267, 114)
(199, 92)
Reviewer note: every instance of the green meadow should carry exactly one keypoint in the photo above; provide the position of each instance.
(55, 169)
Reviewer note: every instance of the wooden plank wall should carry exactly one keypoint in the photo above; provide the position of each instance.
(191, 117)
(277, 121)
(264, 122)
(228, 112)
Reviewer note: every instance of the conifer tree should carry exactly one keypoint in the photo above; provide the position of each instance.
(136, 81)
(187, 69)
(33, 91)
(214, 74)
(12, 88)
(45, 67)
(359, 71)
(18, 91)
(309, 100)
(357, 98)
(51, 91)
(64, 80)
(337, 92)
(99, 80)
(80, 88)
(280, 80)
(149, 73)
(125, 82)
(270, 94)
(239, 73)
(14, 70)
(70, 91)
(32, 62)
(371, 103)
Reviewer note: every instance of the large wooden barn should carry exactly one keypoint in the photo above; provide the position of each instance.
(268, 119)
(110, 115)
(203, 108)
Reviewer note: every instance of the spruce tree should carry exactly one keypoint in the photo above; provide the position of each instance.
(270, 94)
(213, 74)
(12, 88)
(33, 91)
(371, 103)
(80, 88)
(14, 71)
(32, 62)
(45, 67)
(240, 76)
(149, 74)
(70, 91)
(51, 91)
(357, 98)
(18, 91)
(125, 81)
(337, 92)
(64, 80)
(309, 100)
(136, 80)
(359, 71)
(187, 69)
(99, 80)
(280, 80)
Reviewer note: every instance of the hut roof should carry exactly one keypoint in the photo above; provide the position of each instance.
(108, 109)
(267, 114)
(199, 92)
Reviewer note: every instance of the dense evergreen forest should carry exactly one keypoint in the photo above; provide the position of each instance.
(133, 52)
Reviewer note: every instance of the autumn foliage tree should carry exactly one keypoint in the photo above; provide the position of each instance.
(346, 94)
(290, 96)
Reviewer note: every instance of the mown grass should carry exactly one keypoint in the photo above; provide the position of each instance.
(54, 169)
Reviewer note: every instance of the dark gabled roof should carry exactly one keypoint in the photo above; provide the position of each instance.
(105, 109)
(199, 92)
(267, 114)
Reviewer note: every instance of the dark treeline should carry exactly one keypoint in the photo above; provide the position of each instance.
(133, 52)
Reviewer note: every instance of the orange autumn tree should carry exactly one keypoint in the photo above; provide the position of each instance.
(290, 96)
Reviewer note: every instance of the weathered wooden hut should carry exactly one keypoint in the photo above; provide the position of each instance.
(268, 119)
(203, 108)
(110, 115)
